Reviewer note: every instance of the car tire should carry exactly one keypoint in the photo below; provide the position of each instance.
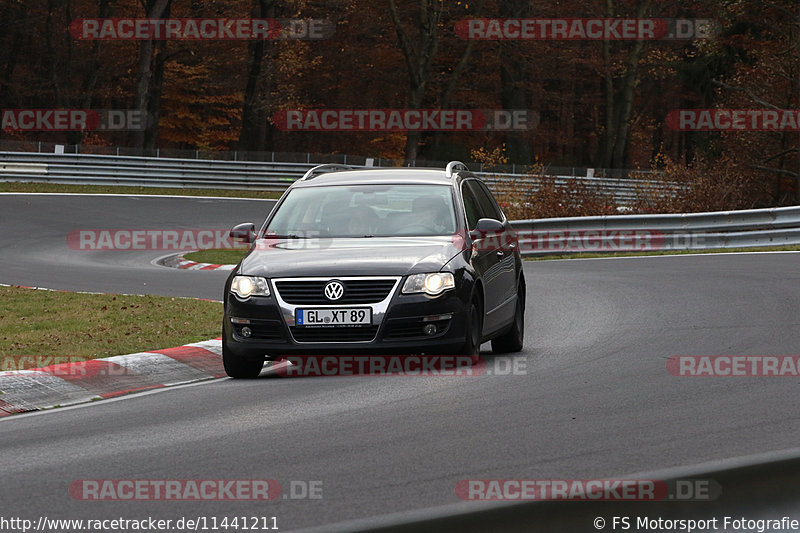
(472, 342)
(512, 340)
(240, 367)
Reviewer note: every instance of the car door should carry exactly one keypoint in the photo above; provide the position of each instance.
(485, 257)
(504, 271)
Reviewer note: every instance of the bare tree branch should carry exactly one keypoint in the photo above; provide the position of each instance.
(784, 152)
(746, 90)
(777, 170)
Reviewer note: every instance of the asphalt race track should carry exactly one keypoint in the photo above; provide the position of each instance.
(35, 251)
(595, 399)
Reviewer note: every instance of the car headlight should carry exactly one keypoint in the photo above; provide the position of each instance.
(433, 284)
(246, 286)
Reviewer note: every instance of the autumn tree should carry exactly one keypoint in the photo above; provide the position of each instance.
(254, 113)
(149, 75)
(419, 50)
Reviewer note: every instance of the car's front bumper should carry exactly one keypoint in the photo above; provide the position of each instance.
(398, 326)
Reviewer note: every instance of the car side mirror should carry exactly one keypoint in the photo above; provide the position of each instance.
(486, 226)
(244, 232)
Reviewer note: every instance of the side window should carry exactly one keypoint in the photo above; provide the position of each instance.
(489, 207)
(471, 206)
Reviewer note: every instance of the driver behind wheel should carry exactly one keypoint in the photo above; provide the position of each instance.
(361, 222)
(429, 212)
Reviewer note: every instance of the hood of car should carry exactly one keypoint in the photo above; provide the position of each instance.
(377, 256)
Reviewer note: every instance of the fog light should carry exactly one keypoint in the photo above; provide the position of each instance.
(246, 332)
(429, 329)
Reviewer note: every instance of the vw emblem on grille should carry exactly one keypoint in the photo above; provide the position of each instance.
(334, 290)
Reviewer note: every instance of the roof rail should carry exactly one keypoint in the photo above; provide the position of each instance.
(322, 169)
(453, 166)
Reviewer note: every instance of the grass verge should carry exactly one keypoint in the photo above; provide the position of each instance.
(592, 255)
(66, 324)
(217, 257)
(121, 189)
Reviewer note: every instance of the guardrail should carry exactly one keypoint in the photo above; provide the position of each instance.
(697, 231)
(84, 169)
(777, 226)
(620, 233)
(91, 169)
(624, 190)
(8, 145)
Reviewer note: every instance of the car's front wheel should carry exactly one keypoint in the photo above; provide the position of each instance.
(512, 340)
(240, 367)
(474, 329)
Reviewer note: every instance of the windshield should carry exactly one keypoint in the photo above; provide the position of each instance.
(365, 211)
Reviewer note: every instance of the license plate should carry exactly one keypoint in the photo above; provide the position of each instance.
(356, 316)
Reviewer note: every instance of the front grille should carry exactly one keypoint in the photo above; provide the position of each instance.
(335, 334)
(362, 291)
